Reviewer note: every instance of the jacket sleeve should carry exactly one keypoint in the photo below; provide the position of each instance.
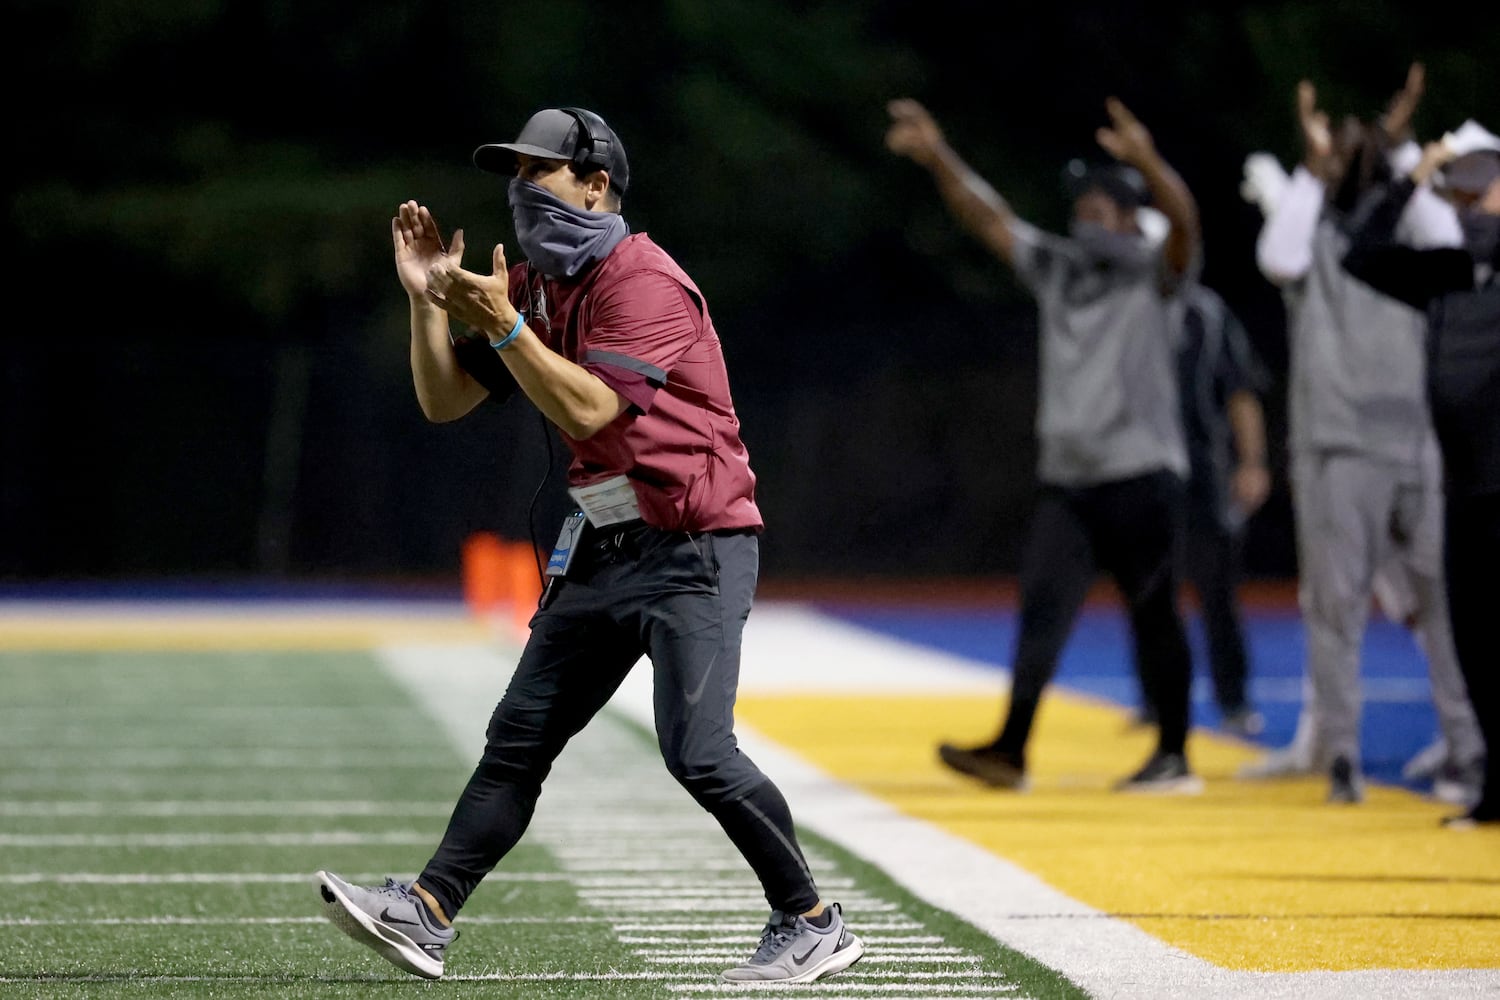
(1416, 277)
(1284, 250)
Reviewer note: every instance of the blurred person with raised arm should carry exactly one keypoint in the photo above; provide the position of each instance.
(1112, 458)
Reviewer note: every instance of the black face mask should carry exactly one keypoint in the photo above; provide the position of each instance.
(1481, 234)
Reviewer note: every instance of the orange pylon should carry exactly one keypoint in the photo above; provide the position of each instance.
(500, 579)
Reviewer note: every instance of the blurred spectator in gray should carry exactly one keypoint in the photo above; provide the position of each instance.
(1366, 478)
(1109, 423)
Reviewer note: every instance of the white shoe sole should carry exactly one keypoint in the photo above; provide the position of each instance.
(833, 964)
(391, 945)
(1189, 784)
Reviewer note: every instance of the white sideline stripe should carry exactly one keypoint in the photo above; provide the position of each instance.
(261, 807)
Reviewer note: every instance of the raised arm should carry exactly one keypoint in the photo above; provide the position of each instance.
(977, 206)
(1284, 249)
(444, 390)
(1414, 276)
(1126, 139)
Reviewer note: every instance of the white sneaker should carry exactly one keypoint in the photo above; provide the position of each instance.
(1427, 762)
(1288, 762)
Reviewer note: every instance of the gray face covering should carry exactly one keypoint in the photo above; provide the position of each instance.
(558, 239)
(1107, 246)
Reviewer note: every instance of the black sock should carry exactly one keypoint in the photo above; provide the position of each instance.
(822, 920)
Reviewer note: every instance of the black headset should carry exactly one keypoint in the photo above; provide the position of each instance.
(593, 151)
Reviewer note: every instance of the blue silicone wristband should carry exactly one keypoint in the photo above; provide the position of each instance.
(515, 332)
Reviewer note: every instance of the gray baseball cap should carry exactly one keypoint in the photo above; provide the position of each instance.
(1472, 173)
(573, 134)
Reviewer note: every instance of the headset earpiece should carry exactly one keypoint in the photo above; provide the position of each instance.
(593, 150)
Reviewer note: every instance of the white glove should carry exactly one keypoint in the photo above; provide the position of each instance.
(1265, 182)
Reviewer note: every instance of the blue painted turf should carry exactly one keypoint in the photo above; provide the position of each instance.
(1398, 717)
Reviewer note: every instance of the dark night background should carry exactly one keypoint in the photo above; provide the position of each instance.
(205, 368)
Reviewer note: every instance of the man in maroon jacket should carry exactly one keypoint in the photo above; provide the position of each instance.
(613, 342)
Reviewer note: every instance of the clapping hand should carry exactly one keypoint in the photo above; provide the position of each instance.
(419, 246)
(480, 300)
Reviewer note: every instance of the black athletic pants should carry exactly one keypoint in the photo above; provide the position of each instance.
(681, 600)
(1130, 529)
(1471, 557)
(1211, 560)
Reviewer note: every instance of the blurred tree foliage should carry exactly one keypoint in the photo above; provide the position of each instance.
(186, 173)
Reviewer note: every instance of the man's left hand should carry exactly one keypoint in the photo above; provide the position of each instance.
(1127, 139)
(479, 300)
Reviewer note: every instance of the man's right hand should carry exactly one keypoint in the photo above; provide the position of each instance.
(1317, 137)
(913, 133)
(418, 247)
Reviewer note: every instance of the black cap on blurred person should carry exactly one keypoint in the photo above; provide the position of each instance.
(572, 134)
(1120, 181)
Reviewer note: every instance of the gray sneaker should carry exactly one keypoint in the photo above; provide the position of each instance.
(794, 951)
(389, 919)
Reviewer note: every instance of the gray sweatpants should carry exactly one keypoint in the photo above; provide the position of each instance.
(1357, 517)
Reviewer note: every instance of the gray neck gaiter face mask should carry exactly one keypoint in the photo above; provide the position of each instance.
(558, 239)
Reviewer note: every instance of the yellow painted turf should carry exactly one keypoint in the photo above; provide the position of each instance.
(1261, 876)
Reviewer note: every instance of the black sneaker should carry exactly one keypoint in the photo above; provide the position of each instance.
(1346, 786)
(1163, 774)
(1486, 812)
(995, 768)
